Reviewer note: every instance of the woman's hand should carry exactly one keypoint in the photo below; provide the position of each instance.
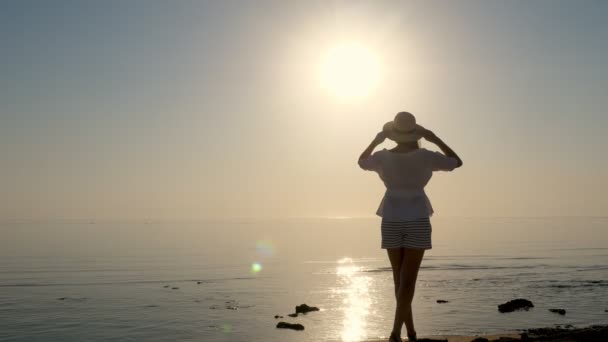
(379, 139)
(431, 137)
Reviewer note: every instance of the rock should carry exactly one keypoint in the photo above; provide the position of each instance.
(303, 308)
(199, 282)
(515, 304)
(559, 311)
(175, 288)
(166, 286)
(441, 301)
(431, 340)
(590, 334)
(285, 325)
(480, 339)
(606, 310)
(524, 337)
(293, 315)
(277, 316)
(73, 299)
(506, 339)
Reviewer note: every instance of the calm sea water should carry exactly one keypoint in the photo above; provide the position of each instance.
(228, 279)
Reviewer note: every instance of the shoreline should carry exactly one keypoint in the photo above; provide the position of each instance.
(558, 334)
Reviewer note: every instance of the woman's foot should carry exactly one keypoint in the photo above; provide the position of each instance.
(394, 338)
(412, 337)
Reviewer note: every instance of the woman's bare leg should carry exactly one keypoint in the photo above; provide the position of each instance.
(407, 284)
(395, 255)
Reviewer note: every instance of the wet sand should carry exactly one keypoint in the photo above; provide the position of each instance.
(588, 334)
(458, 338)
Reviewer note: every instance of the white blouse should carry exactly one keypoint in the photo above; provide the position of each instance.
(405, 175)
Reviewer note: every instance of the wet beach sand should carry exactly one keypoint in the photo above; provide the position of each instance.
(587, 334)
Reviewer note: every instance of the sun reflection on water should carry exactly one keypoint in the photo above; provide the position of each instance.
(355, 287)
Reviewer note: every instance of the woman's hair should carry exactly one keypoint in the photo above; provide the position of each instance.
(411, 143)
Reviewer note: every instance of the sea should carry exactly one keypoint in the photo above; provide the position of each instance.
(226, 280)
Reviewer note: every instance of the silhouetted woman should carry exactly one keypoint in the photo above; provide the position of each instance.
(405, 208)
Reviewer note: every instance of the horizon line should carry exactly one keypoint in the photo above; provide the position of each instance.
(271, 218)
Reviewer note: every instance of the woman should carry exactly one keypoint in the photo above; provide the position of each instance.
(405, 208)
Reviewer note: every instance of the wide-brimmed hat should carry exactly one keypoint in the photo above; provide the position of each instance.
(403, 128)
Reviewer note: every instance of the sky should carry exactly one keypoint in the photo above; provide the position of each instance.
(216, 109)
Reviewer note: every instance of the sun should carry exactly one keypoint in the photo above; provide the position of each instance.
(350, 71)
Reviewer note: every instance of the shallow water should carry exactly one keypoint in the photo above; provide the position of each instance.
(107, 281)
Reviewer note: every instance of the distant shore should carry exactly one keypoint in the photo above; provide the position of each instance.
(555, 334)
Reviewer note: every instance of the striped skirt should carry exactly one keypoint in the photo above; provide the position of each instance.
(414, 233)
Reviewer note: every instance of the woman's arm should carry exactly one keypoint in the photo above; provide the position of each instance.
(431, 137)
(377, 141)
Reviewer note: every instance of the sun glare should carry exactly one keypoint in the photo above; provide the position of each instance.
(350, 71)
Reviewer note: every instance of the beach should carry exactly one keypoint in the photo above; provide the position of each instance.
(590, 334)
(196, 171)
(201, 281)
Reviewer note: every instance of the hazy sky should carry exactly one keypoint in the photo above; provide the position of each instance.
(178, 109)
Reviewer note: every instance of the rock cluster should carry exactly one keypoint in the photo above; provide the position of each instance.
(515, 304)
(592, 333)
(285, 325)
(559, 311)
(300, 309)
(303, 308)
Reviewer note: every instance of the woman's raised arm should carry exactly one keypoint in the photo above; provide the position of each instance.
(431, 137)
(377, 141)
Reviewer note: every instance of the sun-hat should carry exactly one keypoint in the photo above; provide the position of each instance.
(403, 128)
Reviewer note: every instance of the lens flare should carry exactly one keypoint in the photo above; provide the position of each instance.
(265, 248)
(256, 267)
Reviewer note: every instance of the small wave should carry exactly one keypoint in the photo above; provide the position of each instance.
(523, 258)
(571, 284)
(354, 260)
(101, 270)
(8, 304)
(484, 256)
(379, 269)
(457, 267)
(593, 268)
(585, 248)
(477, 267)
(203, 281)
